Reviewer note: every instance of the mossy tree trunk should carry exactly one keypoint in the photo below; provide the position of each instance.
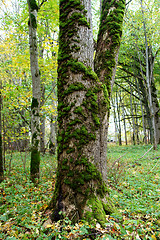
(36, 91)
(106, 58)
(83, 104)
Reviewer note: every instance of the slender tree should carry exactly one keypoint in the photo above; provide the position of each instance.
(36, 91)
(83, 109)
(1, 148)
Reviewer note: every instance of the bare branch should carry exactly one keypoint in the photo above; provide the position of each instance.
(43, 1)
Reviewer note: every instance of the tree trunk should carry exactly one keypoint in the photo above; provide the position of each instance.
(1, 148)
(136, 123)
(133, 120)
(119, 120)
(148, 80)
(36, 92)
(53, 130)
(115, 120)
(83, 101)
(124, 120)
(156, 109)
(42, 121)
(42, 117)
(106, 58)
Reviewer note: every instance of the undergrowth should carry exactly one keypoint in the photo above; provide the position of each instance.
(134, 186)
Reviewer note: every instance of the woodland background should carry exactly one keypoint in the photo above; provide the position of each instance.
(134, 181)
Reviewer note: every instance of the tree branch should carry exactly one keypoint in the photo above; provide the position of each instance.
(43, 1)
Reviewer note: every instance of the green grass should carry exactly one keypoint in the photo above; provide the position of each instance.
(134, 187)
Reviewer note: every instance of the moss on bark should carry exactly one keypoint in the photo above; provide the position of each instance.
(34, 168)
(82, 105)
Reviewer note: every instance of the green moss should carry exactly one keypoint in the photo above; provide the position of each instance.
(34, 103)
(33, 5)
(75, 121)
(77, 171)
(70, 150)
(111, 26)
(74, 87)
(96, 119)
(35, 162)
(109, 206)
(97, 211)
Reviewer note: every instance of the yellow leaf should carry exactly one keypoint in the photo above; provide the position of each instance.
(49, 226)
(153, 237)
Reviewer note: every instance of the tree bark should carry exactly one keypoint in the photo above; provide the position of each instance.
(106, 58)
(53, 129)
(83, 107)
(119, 120)
(36, 92)
(1, 147)
(149, 82)
(42, 100)
(133, 120)
(124, 119)
(42, 121)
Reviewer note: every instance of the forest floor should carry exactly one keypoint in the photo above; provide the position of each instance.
(134, 183)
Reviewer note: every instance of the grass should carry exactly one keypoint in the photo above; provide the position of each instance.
(134, 187)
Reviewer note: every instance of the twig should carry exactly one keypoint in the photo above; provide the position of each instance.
(117, 160)
(153, 167)
(144, 154)
(42, 3)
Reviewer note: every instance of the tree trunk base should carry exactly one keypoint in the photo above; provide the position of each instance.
(94, 210)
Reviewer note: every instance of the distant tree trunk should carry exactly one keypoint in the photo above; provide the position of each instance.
(83, 104)
(156, 109)
(124, 120)
(142, 111)
(133, 119)
(115, 120)
(1, 148)
(42, 121)
(136, 123)
(36, 92)
(42, 100)
(53, 132)
(119, 120)
(149, 85)
(4, 141)
(52, 139)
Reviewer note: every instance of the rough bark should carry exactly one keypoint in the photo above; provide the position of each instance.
(80, 191)
(36, 92)
(106, 58)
